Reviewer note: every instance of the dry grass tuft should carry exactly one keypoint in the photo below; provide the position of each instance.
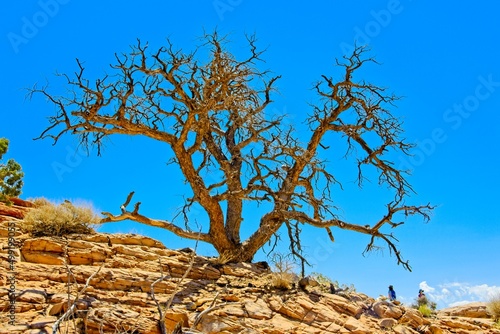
(283, 275)
(282, 281)
(494, 307)
(223, 258)
(49, 219)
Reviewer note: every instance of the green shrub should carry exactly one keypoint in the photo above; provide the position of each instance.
(10, 175)
(425, 310)
(49, 219)
(325, 281)
(494, 308)
(322, 279)
(423, 301)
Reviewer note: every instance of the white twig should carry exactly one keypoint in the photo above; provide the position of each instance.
(162, 277)
(177, 287)
(176, 290)
(70, 310)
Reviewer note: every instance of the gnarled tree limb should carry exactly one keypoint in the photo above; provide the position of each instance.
(214, 116)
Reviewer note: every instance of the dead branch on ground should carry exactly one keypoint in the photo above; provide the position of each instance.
(172, 295)
(71, 309)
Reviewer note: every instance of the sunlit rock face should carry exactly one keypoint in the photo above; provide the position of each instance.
(115, 283)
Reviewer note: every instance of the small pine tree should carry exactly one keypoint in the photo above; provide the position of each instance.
(10, 175)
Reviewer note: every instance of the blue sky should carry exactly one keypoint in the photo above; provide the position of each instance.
(443, 59)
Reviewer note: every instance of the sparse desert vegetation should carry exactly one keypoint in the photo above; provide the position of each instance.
(50, 219)
(494, 309)
(326, 282)
(425, 310)
(11, 175)
(105, 283)
(425, 306)
(283, 275)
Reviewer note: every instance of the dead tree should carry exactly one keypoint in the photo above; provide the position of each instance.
(212, 116)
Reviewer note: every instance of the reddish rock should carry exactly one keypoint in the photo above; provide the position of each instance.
(11, 211)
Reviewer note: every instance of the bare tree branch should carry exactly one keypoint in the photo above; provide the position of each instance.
(135, 216)
(213, 114)
(211, 308)
(71, 309)
(162, 277)
(161, 321)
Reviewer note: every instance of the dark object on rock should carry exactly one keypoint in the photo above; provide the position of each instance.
(307, 281)
(335, 290)
(263, 264)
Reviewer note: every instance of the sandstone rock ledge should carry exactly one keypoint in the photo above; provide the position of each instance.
(213, 298)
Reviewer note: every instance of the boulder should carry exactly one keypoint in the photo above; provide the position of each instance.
(211, 324)
(400, 329)
(41, 322)
(257, 309)
(172, 318)
(342, 305)
(355, 326)
(307, 281)
(472, 310)
(296, 308)
(43, 258)
(459, 324)
(434, 329)
(11, 211)
(32, 296)
(387, 323)
(242, 269)
(413, 318)
(44, 244)
(386, 309)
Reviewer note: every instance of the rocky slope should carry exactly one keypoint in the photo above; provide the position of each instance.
(107, 280)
